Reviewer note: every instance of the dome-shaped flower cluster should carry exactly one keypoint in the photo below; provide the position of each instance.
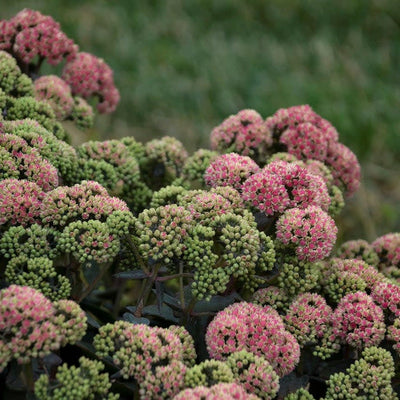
(281, 185)
(261, 331)
(25, 162)
(310, 231)
(308, 317)
(30, 33)
(359, 249)
(12, 81)
(20, 202)
(88, 76)
(358, 321)
(32, 326)
(388, 249)
(387, 295)
(254, 373)
(230, 170)
(139, 349)
(220, 391)
(76, 382)
(244, 133)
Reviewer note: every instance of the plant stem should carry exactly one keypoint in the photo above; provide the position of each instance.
(181, 293)
(137, 255)
(27, 376)
(145, 293)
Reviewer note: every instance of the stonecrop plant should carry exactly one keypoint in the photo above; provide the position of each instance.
(138, 271)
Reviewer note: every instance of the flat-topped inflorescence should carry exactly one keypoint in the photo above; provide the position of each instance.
(388, 249)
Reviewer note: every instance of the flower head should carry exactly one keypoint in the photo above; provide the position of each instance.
(244, 133)
(88, 76)
(358, 321)
(230, 170)
(311, 231)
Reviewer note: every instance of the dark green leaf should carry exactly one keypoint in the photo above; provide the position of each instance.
(134, 274)
(135, 320)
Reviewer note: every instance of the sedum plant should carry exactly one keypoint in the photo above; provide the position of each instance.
(137, 270)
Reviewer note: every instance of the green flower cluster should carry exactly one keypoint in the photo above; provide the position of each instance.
(89, 241)
(38, 273)
(60, 154)
(209, 373)
(160, 232)
(254, 373)
(83, 382)
(301, 394)
(368, 378)
(231, 247)
(12, 81)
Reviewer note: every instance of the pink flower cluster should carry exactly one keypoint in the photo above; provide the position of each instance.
(30, 33)
(282, 185)
(393, 334)
(388, 249)
(311, 231)
(358, 321)
(20, 202)
(261, 331)
(387, 295)
(289, 118)
(345, 168)
(32, 326)
(230, 170)
(305, 141)
(89, 76)
(138, 349)
(57, 93)
(220, 391)
(87, 200)
(244, 133)
(27, 163)
(307, 135)
(308, 318)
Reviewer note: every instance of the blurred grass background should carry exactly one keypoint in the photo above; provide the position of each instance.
(182, 66)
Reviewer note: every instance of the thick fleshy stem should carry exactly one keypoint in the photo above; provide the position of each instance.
(146, 290)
